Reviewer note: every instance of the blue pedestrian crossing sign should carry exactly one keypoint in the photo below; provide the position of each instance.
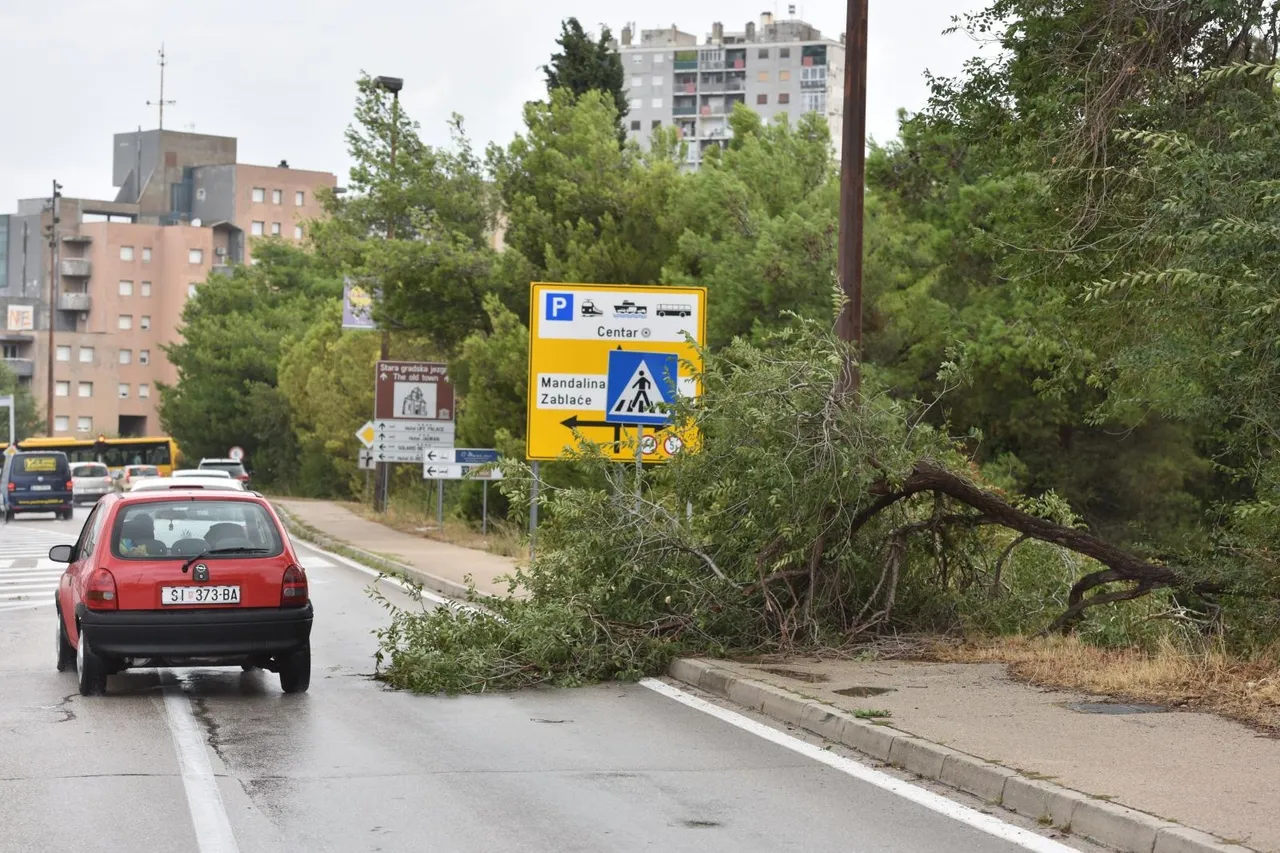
(640, 387)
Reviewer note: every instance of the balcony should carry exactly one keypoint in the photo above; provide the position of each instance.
(76, 267)
(23, 368)
(80, 239)
(74, 302)
(813, 85)
(686, 64)
(685, 110)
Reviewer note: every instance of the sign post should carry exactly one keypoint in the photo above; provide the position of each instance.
(412, 409)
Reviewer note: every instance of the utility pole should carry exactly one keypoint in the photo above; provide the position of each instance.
(853, 161)
(162, 101)
(53, 297)
(382, 483)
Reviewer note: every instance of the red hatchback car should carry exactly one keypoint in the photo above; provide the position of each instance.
(183, 578)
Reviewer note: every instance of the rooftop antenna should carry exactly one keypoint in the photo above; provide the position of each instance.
(160, 103)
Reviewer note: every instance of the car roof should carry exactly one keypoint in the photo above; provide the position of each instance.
(215, 473)
(154, 483)
(220, 459)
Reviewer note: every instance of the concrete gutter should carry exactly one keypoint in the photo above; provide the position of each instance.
(1101, 821)
(443, 586)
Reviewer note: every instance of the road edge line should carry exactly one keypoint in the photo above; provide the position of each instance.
(1111, 824)
(209, 819)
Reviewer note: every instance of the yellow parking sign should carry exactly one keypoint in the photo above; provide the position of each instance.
(572, 328)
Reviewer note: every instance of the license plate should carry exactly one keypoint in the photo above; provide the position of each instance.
(42, 488)
(200, 595)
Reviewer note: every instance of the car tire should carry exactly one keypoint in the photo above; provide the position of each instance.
(91, 670)
(66, 651)
(295, 670)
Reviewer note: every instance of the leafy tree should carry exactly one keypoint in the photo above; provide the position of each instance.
(227, 358)
(583, 65)
(27, 420)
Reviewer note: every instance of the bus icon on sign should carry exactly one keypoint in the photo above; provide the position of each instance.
(674, 310)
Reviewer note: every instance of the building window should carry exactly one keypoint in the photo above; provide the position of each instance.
(195, 256)
(636, 59)
(784, 97)
(763, 53)
(61, 423)
(277, 196)
(298, 198)
(636, 103)
(259, 194)
(657, 79)
(659, 58)
(126, 356)
(144, 391)
(10, 350)
(145, 322)
(814, 102)
(763, 76)
(126, 288)
(762, 98)
(784, 53)
(146, 288)
(784, 75)
(123, 390)
(64, 353)
(126, 322)
(813, 72)
(191, 290)
(146, 254)
(84, 424)
(657, 123)
(657, 103)
(635, 124)
(275, 229)
(126, 253)
(257, 228)
(86, 389)
(62, 389)
(297, 232)
(144, 356)
(637, 81)
(86, 355)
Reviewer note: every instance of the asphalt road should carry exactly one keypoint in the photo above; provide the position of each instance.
(219, 760)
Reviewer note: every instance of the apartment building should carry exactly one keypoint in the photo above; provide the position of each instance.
(783, 66)
(124, 269)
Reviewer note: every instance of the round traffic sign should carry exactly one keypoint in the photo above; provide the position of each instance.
(672, 445)
(236, 453)
(648, 444)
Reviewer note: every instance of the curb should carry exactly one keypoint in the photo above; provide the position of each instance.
(1111, 824)
(443, 586)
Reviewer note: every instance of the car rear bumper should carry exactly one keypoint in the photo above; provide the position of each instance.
(49, 503)
(205, 634)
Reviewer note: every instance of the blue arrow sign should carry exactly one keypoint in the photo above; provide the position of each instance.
(639, 386)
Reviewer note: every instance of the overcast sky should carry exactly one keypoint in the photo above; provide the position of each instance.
(278, 74)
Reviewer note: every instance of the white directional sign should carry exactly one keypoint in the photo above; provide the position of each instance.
(422, 433)
(459, 472)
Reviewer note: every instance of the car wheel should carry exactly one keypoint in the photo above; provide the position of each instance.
(91, 669)
(66, 652)
(295, 670)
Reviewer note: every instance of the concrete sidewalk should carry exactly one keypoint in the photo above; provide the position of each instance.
(1071, 759)
(438, 565)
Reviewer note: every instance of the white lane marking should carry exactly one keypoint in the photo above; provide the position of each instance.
(204, 800)
(934, 802)
(8, 606)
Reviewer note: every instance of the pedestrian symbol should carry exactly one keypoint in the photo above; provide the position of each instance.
(640, 387)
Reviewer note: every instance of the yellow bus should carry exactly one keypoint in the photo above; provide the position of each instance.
(115, 453)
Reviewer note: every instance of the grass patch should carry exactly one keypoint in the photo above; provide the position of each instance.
(504, 539)
(1209, 680)
(871, 714)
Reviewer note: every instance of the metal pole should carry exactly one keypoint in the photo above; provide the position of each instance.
(440, 504)
(639, 462)
(484, 508)
(53, 301)
(853, 185)
(383, 487)
(533, 511)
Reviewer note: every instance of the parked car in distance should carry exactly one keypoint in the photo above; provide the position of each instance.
(203, 472)
(159, 484)
(131, 474)
(234, 467)
(186, 577)
(89, 481)
(36, 481)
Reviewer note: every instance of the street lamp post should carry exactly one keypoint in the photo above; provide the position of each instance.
(53, 295)
(382, 483)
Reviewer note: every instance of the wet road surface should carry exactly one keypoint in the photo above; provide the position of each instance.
(218, 760)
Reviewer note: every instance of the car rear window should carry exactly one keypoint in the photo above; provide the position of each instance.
(38, 464)
(235, 469)
(90, 471)
(187, 528)
(144, 471)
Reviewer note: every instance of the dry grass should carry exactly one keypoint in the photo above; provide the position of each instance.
(503, 539)
(1211, 680)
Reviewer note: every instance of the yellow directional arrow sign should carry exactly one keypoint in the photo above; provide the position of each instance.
(366, 434)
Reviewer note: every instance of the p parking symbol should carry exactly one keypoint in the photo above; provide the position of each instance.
(559, 306)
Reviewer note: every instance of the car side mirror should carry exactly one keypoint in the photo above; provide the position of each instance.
(61, 553)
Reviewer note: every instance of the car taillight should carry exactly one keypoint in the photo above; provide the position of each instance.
(12, 486)
(70, 485)
(100, 592)
(243, 477)
(293, 591)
